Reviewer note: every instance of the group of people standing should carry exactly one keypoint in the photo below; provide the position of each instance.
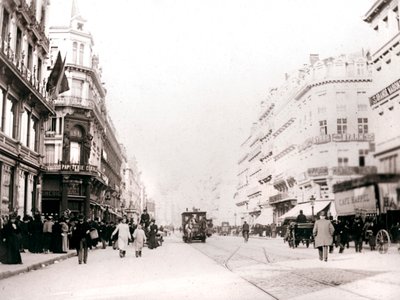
(45, 234)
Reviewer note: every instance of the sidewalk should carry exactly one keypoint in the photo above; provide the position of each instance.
(33, 261)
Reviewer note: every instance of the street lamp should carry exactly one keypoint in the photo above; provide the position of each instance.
(312, 202)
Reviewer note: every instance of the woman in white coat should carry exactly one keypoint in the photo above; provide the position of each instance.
(123, 236)
(139, 238)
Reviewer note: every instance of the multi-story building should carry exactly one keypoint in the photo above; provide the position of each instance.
(384, 97)
(314, 131)
(24, 46)
(80, 143)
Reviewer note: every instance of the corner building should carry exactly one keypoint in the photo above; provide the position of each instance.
(24, 46)
(82, 155)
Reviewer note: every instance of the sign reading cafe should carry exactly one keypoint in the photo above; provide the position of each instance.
(387, 91)
(356, 200)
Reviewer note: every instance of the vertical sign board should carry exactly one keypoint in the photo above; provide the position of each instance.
(360, 199)
(389, 199)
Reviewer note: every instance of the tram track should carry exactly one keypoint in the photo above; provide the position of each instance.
(268, 262)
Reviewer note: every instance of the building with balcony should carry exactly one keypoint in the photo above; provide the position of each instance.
(82, 155)
(24, 46)
(313, 131)
(384, 96)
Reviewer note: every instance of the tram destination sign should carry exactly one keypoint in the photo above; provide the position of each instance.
(387, 91)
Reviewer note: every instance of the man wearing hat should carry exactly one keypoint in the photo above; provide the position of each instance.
(81, 237)
(323, 232)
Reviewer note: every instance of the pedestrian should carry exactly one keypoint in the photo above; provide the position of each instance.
(153, 229)
(357, 232)
(245, 231)
(323, 232)
(47, 234)
(145, 219)
(139, 238)
(123, 236)
(370, 232)
(36, 230)
(56, 237)
(343, 229)
(11, 241)
(64, 234)
(103, 234)
(26, 235)
(81, 238)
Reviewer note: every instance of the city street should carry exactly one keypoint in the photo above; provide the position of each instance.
(222, 268)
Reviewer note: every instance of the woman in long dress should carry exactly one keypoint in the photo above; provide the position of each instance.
(123, 236)
(139, 238)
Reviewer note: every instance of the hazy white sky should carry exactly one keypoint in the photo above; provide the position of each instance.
(185, 78)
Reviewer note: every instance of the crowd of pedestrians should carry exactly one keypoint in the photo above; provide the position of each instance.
(48, 234)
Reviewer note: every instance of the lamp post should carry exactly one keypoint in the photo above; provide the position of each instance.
(312, 202)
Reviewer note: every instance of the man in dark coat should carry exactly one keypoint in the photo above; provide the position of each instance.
(245, 231)
(357, 232)
(145, 219)
(301, 218)
(81, 235)
(10, 236)
(36, 232)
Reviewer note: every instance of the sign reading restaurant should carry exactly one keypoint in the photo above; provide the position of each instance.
(387, 91)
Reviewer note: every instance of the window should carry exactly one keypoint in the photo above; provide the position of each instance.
(74, 53)
(362, 125)
(29, 63)
(361, 159)
(343, 161)
(50, 154)
(24, 128)
(60, 126)
(18, 46)
(53, 55)
(77, 86)
(81, 52)
(9, 118)
(341, 108)
(32, 133)
(75, 154)
(362, 107)
(52, 124)
(342, 126)
(39, 70)
(4, 27)
(323, 128)
(1, 108)
(321, 110)
(360, 68)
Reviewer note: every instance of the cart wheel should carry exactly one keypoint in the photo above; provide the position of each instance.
(383, 241)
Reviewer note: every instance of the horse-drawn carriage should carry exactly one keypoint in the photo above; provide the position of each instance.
(376, 196)
(194, 226)
(300, 233)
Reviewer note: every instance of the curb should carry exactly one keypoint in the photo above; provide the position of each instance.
(36, 266)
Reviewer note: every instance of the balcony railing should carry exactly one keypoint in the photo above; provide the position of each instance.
(17, 60)
(354, 170)
(278, 197)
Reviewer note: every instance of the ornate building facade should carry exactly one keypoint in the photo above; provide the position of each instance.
(313, 131)
(24, 46)
(82, 155)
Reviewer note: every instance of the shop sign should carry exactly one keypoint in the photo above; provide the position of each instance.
(78, 168)
(389, 197)
(51, 194)
(356, 200)
(387, 91)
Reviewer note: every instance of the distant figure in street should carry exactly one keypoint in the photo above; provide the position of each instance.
(301, 218)
(323, 232)
(36, 230)
(139, 238)
(47, 234)
(10, 242)
(81, 237)
(64, 234)
(152, 235)
(123, 236)
(245, 231)
(145, 219)
(357, 232)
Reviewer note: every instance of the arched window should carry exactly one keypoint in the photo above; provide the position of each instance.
(76, 135)
(75, 52)
(81, 53)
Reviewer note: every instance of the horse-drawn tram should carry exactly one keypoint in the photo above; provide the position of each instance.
(375, 196)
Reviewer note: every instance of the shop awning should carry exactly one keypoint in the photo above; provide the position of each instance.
(266, 217)
(306, 207)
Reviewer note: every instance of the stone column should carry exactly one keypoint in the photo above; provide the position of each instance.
(87, 199)
(64, 193)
